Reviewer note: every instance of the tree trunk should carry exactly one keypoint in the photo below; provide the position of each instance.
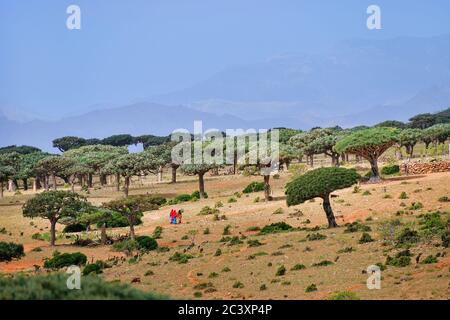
(201, 185)
(35, 184)
(267, 196)
(127, 186)
(54, 181)
(52, 232)
(375, 172)
(102, 180)
(72, 185)
(132, 234)
(25, 184)
(174, 174)
(160, 173)
(117, 182)
(11, 186)
(329, 212)
(46, 184)
(90, 178)
(103, 234)
(1, 189)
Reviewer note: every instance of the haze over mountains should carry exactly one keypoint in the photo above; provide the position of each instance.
(356, 82)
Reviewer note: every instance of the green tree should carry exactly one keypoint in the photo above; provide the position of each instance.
(369, 144)
(408, 138)
(392, 124)
(422, 121)
(96, 216)
(52, 166)
(130, 208)
(66, 143)
(9, 163)
(119, 140)
(19, 149)
(53, 206)
(320, 183)
(27, 166)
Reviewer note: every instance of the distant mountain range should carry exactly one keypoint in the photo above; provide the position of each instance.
(356, 82)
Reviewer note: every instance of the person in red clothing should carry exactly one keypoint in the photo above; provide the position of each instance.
(173, 217)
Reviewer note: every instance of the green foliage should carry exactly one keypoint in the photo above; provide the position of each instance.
(319, 183)
(254, 187)
(444, 199)
(276, 228)
(231, 200)
(416, 206)
(61, 260)
(119, 221)
(206, 210)
(181, 258)
(126, 246)
(254, 243)
(346, 250)
(238, 285)
(403, 195)
(196, 195)
(344, 295)
(298, 267)
(433, 224)
(94, 268)
(322, 263)
(74, 228)
(356, 227)
(408, 237)
(429, 260)
(446, 239)
(53, 287)
(315, 236)
(365, 238)
(391, 169)
(10, 250)
(281, 271)
(311, 288)
(146, 243)
(157, 232)
(401, 259)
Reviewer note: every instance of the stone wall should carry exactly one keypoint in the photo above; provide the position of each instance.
(423, 168)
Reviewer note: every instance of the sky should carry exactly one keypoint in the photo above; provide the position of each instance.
(127, 51)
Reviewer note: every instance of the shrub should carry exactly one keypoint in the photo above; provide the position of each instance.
(356, 226)
(262, 287)
(181, 258)
(61, 260)
(298, 267)
(126, 246)
(10, 250)
(218, 204)
(408, 237)
(444, 199)
(344, 295)
(218, 252)
(278, 211)
(226, 269)
(281, 271)
(182, 198)
(315, 236)
(446, 239)
(235, 241)
(206, 231)
(76, 227)
(366, 193)
(206, 210)
(53, 287)
(416, 206)
(95, 268)
(226, 230)
(238, 285)
(157, 232)
(432, 224)
(311, 288)
(146, 243)
(390, 169)
(365, 238)
(276, 228)
(196, 195)
(403, 195)
(232, 200)
(254, 243)
(346, 250)
(430, 259)
(254, 187)
(147, 202)
(253, 229)
(401, 259)
(322, 263)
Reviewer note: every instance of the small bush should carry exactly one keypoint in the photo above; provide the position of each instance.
(226, 230)
(253, 229)
(254, 187)
(146, 243)
(323, 263)
(206, 210)
(73, 228)
(206, 231)
(315, 236)
(276, 228)
(281, 271)
(391, 169)
(446, 239)
(61, 260)
(218, 204)
(232, 200)
(181, 258)
(262, 287)
(346, 250)
(126, 246)
(416, 206)
(366, 193)
(278, 211)
(10, 250)
(254, 243)
(408, 237)
(218, 252)
(311, 288)
(94, 268)
(401, 259)
(356, 227)
(344, 295)
(196, 195)
(444, 199)
(430, 259)
(298, 267)
(238, 285)
(403, 195)
(157, 232)
(118, 221)
(365, 238)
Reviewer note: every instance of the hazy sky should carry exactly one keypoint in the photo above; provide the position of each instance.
(129, 50)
